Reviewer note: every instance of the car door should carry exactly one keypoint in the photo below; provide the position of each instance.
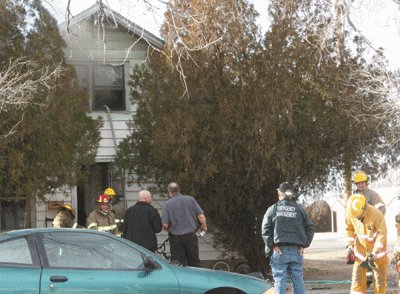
(90, 262)
(19, 266)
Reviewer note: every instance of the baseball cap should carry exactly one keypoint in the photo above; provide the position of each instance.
(286, 188)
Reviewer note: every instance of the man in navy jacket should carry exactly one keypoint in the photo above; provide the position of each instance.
(286, 230)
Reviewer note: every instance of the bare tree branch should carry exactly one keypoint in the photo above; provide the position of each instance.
(20, 80)
(13, 129)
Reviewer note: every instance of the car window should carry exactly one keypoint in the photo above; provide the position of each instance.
(15, 251)
(89, 251)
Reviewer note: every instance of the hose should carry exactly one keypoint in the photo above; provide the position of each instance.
(327, 282)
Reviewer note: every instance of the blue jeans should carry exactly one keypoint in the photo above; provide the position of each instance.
(289, 262)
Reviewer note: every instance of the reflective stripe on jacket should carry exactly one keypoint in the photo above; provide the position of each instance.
(118, 211)
(98, 221)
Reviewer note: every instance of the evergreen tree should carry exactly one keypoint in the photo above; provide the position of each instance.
(256, 114)
(53, 135)
(351, 117)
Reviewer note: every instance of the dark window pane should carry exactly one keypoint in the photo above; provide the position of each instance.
(113, 98)
(12, 215)
(109, 88)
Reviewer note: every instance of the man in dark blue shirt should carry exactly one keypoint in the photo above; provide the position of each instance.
(180, 217)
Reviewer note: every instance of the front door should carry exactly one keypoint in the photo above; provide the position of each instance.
(88, 191)
(101, 177)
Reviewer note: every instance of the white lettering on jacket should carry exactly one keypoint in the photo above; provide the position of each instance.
(286, 214)
(286, 208)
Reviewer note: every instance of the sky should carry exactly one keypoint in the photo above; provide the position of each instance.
(378, 20)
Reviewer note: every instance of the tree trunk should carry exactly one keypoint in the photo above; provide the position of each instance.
(28, 223)
(339, 31)
(347, 174)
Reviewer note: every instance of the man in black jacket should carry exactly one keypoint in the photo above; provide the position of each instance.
(287, 230)
(141, 222)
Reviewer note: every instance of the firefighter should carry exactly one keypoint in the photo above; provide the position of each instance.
(395, 256)
(65, 217)
(102, 218)
(366, 235)
(372, 197)
(115, 207)
(395, 259)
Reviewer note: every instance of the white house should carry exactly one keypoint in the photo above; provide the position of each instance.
(104, 54)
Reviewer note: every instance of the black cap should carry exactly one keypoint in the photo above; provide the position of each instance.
(286, 188)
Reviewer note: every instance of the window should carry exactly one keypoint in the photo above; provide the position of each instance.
(89, 251)
(15, 251)
(12, 215)
(106, 86)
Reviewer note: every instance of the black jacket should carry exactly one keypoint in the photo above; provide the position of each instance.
(141, 223)
(286, 222)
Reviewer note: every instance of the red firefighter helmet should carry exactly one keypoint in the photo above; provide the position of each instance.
(103, 199)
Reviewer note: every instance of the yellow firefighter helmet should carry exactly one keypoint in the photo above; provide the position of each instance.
(360, 177)
(109, 192)
(68, 208)
(355, 205)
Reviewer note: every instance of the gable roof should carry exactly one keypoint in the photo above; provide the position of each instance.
(122, 22)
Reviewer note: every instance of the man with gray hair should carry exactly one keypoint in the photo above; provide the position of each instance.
(286, 230)
(180, 217)
(141, 222)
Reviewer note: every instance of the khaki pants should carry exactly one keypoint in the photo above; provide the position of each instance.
(359, 279)
(398, 279)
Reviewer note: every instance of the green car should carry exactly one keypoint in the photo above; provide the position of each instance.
(88, 261)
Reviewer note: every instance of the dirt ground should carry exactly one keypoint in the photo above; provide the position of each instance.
(334, 276)
(327, 272)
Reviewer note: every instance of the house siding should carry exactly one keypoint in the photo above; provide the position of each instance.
(107, 150)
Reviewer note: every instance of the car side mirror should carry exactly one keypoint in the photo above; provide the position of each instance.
(149, 262)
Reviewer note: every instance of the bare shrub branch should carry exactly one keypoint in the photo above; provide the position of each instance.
(21, 80)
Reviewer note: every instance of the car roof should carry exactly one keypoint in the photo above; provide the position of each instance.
(15, 233)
